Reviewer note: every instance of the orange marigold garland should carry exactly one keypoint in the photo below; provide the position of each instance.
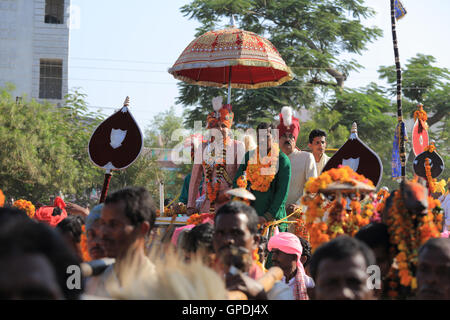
(261, 172)
(26, 206)
(2, 198)
(213, 188)
(408, 232)
(430, 180)
(242, 181)
(83, 245)
(421, 115)
(200, 218)
(339, 221)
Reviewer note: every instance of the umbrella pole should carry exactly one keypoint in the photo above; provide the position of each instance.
(229, 87)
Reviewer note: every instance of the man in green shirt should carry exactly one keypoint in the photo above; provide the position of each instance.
(268, 172)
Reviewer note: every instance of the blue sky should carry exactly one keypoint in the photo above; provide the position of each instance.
(124, 48)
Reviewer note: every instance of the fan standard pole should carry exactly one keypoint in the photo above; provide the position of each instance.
(399, 93)
(105, 188)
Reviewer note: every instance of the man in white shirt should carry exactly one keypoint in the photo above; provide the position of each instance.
(127, 217)
(303, 165)
(318, 144)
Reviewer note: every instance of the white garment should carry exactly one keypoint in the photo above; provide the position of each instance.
(321, 164)
(445, 204)
(280, 291)
(309, 282)
(107, 284)
(303, 167)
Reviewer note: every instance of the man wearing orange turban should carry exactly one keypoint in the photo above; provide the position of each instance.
(52, 215)
(219, 162)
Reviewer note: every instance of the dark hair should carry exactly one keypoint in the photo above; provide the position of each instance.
(8, 213)
(435, 243)
(201, 236)
(264, 126)
(72, 225)
(139, 205)
(19, 237)
(340, 248)
(236, 207)
(375, 235)
(316, 133)
(306, 250)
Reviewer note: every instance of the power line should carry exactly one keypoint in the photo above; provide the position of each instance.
(118, 60)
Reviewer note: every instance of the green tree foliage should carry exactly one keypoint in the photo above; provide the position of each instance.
(43, 148)
(425, 83)
(310, 35)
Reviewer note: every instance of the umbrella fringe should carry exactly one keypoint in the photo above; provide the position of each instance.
(234, 85)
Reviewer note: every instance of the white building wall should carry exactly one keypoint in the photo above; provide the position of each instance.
(25, 38)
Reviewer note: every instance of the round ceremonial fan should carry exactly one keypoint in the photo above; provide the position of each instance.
(437, 164)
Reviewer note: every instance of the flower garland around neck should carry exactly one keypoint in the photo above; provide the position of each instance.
(261, 172)
(340, 220)
(213, 187)
(26, 206)
(408, 232)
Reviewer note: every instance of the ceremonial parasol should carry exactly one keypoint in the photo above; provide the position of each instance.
(231, 57)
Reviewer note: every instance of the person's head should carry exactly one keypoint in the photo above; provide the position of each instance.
(127, 217)
(71, 229)
(262, 249)
(433, 270)
(235, 226)
(288, 128)
(317, 142)
(286, 252)
(306, 253)
(221, 118)
(264, 135)
(287, 142)
(96, 251)
(376, 236)
(198, 241)
(339, 270)
(34, 260)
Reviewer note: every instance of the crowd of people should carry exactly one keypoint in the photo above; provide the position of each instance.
(117, 251)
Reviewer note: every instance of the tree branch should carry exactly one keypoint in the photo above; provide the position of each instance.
(437, 117)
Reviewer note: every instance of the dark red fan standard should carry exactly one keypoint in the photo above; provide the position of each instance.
(357, 155)
(117, 141)
(437, 164)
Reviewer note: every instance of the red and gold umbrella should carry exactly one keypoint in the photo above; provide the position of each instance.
(231, 57)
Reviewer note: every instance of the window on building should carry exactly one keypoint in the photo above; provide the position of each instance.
(54, 11)
(50, 79)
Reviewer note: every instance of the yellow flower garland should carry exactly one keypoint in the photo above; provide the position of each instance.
(2, 198)
(407, 239)
(339, 222)
(261, 172)
(26, 206)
